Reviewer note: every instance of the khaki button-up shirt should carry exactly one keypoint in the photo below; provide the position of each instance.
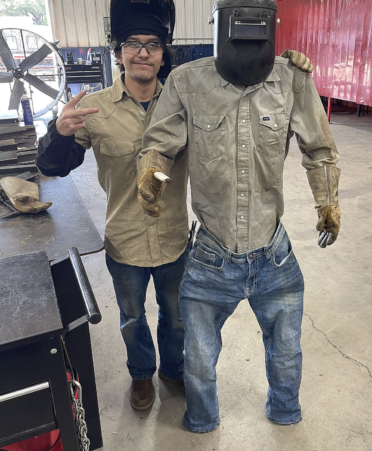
(237, 139)
(115, 134)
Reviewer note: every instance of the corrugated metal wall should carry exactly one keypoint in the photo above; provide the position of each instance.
(79, 23)
(192, 22)
(337, 36)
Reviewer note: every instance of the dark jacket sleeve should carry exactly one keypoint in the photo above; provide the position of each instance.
(58, 155)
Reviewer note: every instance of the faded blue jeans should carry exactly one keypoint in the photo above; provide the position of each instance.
(130, 283)
(214, 283)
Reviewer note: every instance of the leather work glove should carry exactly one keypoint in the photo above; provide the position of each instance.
(299, 60)
(328, 225)
(23, 195)
(324, 185)
(149, 188)
(149, 191)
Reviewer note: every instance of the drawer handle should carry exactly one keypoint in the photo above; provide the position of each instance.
(24, 392)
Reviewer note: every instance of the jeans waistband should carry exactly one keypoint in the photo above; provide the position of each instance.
(206, 237)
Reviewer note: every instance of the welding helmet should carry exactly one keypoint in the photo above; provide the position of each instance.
(148, 17)
(244, 40)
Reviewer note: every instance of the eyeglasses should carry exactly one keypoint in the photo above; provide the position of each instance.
(152, 48)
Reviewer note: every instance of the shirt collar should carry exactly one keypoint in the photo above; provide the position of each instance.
(273, 76)
(119, 88)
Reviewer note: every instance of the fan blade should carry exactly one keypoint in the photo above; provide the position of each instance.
(17, 93)
(41, 86)
(35, 58)
(6, 54)
(6, 77)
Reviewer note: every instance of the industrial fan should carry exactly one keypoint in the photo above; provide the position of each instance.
(30, 59)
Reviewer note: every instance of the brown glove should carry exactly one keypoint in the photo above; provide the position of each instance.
(23, 195)
(328, 225)
(149, 188)
(299, 60)
(324, 185)
(149, 192)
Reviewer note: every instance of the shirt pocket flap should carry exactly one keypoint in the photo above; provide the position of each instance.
(274, 121)
(114, 148)
(208, 123)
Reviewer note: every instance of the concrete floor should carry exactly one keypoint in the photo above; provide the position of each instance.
(336, 389)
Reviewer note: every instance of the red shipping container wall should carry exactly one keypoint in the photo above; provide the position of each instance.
(337, 36)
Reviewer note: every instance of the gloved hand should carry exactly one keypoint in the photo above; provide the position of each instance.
(324, 185)
(23, 195)
(299, 60)
(328, 225)
(149, 192)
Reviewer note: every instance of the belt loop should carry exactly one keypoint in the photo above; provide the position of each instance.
(277, 239)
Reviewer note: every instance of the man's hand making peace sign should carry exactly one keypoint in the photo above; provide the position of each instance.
(72, 120)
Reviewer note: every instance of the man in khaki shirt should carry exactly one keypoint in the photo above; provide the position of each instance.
(236, 132)
(112, 122)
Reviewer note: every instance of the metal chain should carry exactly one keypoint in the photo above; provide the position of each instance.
(79, 414)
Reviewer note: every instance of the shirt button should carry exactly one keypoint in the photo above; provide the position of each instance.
(143, 113)
(116, 151)
(243, 146)
(208, 126)
(276, 125)
(244, 121)
(243, 172)
(242, 195)
(241, 217)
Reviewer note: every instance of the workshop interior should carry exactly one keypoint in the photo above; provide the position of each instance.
(67, 377)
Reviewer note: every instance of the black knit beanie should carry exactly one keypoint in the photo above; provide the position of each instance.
(140, 23)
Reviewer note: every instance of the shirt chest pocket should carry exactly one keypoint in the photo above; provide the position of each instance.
(273, 134)
(210, 136)
(119, 156)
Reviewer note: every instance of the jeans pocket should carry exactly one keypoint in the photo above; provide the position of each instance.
(208, 259)
(282, 253)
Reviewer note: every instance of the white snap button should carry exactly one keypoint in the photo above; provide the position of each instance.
(275, 125)
(243, 146)
(208, 126)
(143, 113)
(242, 195)
(241, 217)
(243, 121)
(116, 151)
(243, 172)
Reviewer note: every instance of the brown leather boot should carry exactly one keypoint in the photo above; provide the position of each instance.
(142, 394)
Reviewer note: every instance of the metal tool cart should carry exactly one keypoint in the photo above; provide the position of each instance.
(42, 305)
(46, 304)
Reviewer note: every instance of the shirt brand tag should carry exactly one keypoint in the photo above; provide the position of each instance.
(266, 118)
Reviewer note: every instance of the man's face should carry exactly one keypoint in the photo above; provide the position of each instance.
(141, 67)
